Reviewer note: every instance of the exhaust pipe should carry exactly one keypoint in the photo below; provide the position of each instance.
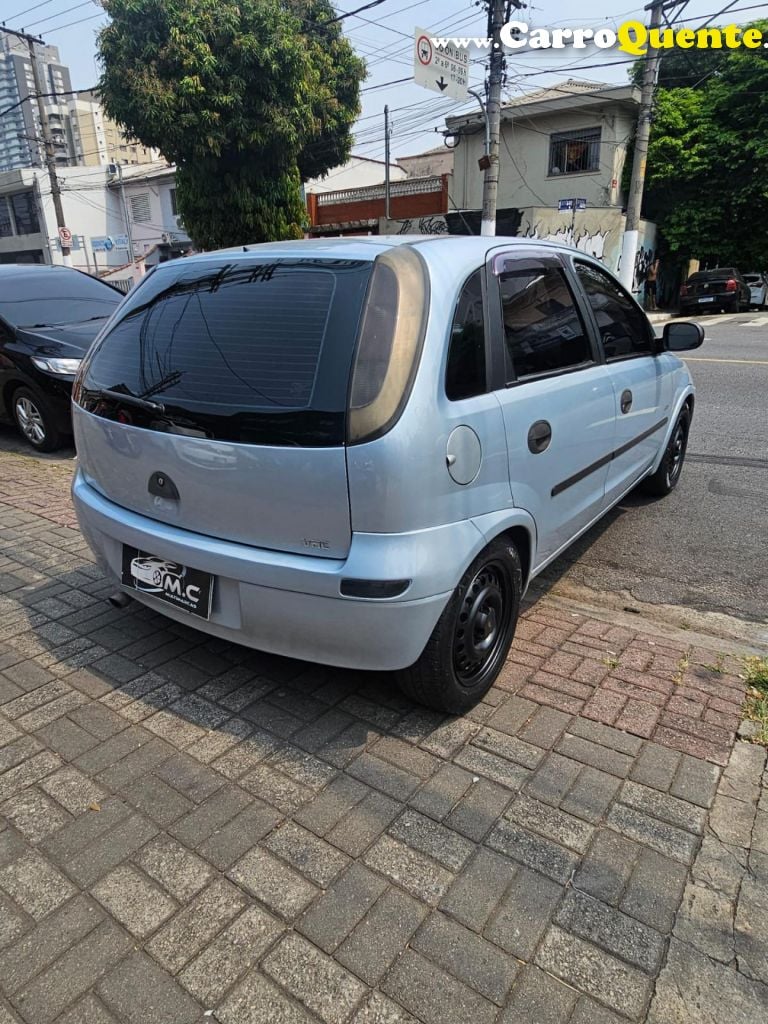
(120, 599)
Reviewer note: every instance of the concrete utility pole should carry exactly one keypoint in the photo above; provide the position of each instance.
(631, 238)
(126, 215)
(387, 189)
(497, 12)
(47, 146)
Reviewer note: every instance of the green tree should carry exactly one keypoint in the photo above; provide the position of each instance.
(707, 179)
(242, 95)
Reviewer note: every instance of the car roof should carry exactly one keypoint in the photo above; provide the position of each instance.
(31, 269)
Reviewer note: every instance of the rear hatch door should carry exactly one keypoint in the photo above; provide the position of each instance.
(226, 380)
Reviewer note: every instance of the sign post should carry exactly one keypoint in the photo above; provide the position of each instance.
(443, 69)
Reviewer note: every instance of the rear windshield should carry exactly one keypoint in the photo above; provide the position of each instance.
(244, 351)
(713, 275)
(50, 299)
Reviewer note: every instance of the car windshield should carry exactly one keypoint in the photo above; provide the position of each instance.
(753, 278)
(50, 300)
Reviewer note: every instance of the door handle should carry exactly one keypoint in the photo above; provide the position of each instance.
(539, 437)
(626, 401)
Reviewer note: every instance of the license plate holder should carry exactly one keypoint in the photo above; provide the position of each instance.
(708, 298)
(178, 585)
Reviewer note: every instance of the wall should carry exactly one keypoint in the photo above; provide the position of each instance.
(422, 165)
(414, 198)
(598, 232)
(163, 224)
(431, 224)
(355, 173)
(524, 162)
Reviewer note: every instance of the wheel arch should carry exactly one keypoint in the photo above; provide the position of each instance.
(686, 399)
(519, 527)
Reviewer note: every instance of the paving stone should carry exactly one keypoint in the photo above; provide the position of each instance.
(613, 931)
(66, 738)
(383, 776)
(342, 907)
(47, 941)
(178, 870)
(595, 972)
(442, 844)
(73, 974)
(553, 779)
(277, 789)
(313, 857)
(666, 839)
(35, 884)
(196, 781)
(441, 793)
(664, 807)
(28, 773)
(513, 715)
(196, 924)
(692, 989)
(106, 852)
(364, 824)
(434, 996)
(405, 755)
(231, 953)
(89, 1010)
(607, 867)
(449, 737)
(156, 799)
(140, 992)
(534, 851)
(478, 889)
(538, 998)
(479, 809)
(512, 748)
(257, 1001)
(381, 936)
(751, 929)
(615, 762)
(416, 873)
(272, 882)
(654, 890)
(136, 764)
(656, 767)
(17, 749)
(705, 921)
(134, 901)
(497, 769)
(732, 821)
(73, 790)
(552, 824)
(231, 841)
(589, 1012)
(302, 767)
(315, 979)
(13, 924)
(34, 814)
(523, 914)
(380, 1010)
(210, 816)
(719, 866)
(64, 844)
(591, 795)
(545, 727)
(467, 956)
(329, 807)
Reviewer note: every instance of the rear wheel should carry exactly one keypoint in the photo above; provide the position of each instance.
(35, 420)
(470, 642)
(667, 476)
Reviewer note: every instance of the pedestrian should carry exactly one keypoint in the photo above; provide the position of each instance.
(650, 285)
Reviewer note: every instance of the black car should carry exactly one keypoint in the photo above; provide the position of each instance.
(723, 289)
(48, 318)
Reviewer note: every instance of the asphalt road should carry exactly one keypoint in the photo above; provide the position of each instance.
(706, 545)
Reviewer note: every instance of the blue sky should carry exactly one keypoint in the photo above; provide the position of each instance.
(384, 37)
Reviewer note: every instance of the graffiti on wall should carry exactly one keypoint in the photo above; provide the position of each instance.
(592, 242)
(433, 224)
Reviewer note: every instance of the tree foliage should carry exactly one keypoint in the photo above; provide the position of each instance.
(707, 178)
(242, 95)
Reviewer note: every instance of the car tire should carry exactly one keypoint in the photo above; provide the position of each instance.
(667, 476)
(35, 421)
(471, 640)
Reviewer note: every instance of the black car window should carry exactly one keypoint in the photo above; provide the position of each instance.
(624, 329)
(245, 351)
(543, 329)
(465, 373)
(52, 297)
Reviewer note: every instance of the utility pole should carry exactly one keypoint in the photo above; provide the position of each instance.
(50, 153)
(497, 15)
(126, 214)
(631, 237)
(387, 197)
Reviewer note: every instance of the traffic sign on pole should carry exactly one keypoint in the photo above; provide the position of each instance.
(65, 235)
(443, 69)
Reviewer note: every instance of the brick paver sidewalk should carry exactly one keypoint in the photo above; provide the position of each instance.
(192, 831)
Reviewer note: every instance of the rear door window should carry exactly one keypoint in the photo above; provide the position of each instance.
(465, 373)
(624, 329)
(237, 351)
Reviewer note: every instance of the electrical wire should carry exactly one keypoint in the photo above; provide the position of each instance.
(45, 3)
(58, 14)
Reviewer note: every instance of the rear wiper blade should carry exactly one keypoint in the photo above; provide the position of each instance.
(140, 403)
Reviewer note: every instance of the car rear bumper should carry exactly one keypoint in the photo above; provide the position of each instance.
(288, 604)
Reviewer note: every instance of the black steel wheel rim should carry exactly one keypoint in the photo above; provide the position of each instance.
(482, 624)
(677, 448)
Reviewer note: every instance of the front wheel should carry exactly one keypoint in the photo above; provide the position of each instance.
(667, 476)
(470, 642)
(35, 420)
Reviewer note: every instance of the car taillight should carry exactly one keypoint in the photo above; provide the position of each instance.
(684, 289)
(731, 285)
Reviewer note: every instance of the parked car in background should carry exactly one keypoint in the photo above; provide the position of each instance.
(48, 318)
(758, 288)
(410, 429)
(710, 291)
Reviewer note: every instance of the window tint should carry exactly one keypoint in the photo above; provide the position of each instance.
(624, 329)
(465, 375)
(257, 352)
(542, 326)
(54, 297)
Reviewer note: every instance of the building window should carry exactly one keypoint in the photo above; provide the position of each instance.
(25, 213)
(141, 210)
(574, 152)
(174, 207)
(6, 224)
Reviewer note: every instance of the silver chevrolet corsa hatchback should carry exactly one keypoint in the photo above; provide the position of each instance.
(360, 451)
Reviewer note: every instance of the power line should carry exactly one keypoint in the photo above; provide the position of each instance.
(58, 14)
(45, 3)
(359, 10)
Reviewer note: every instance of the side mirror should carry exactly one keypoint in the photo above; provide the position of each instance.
(682, 336)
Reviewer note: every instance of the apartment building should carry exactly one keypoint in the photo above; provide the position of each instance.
(98, 140)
